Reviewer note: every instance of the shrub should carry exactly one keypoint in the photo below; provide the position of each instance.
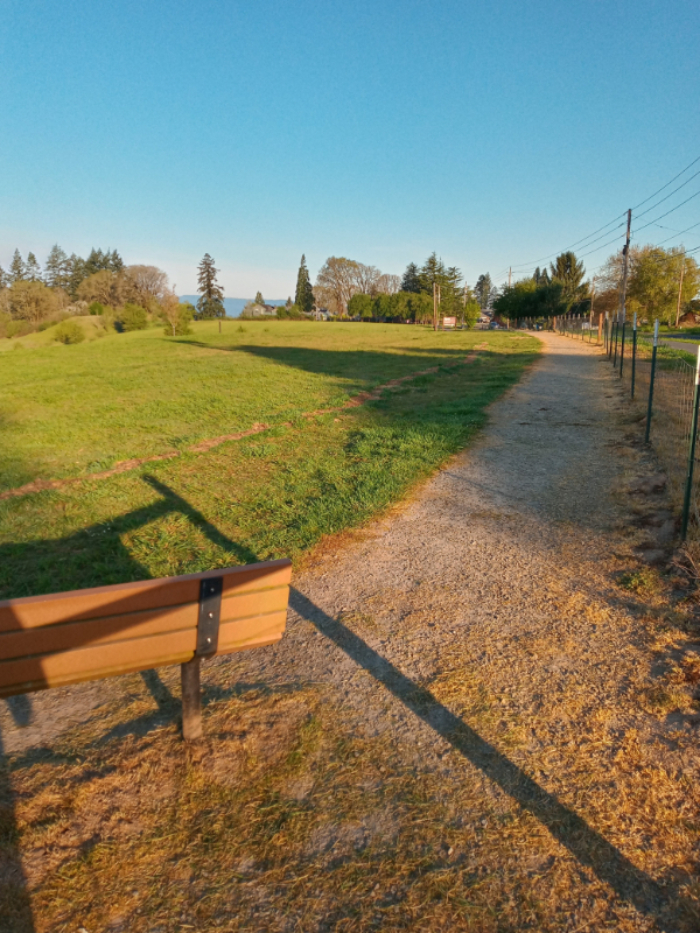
(96, 308)
(177, 318)
(69, 332)
(18, 329)
(131, 317)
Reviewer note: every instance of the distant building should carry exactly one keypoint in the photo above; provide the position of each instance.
(255, 309)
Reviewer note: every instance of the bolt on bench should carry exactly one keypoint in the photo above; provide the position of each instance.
(65, 638)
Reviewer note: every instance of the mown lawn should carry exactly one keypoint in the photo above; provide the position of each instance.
(67, 411)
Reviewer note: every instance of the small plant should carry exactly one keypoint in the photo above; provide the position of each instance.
(640, 581)
(69, 332)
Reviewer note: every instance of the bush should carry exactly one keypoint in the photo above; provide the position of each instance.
(177, 318)
(96, 308)
(131, 317)
(69, 332)
(293, 313)
(18, 329)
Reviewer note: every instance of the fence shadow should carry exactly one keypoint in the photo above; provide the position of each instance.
(661, 902)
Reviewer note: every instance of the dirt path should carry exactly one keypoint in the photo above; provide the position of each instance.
(476, 640)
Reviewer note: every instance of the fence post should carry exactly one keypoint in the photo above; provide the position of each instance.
(605, 334)
(651, 379)
(691, 451)
(634, 350)
(622, 347)
(617, 328)
(600, 329)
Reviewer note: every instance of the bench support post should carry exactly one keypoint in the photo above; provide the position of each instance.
(191, 701)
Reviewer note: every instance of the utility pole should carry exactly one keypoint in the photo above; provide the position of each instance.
(510, 269)
(436, 302)
(680, 288)
(625, 267)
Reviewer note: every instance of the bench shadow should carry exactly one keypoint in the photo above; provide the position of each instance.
(661, 902)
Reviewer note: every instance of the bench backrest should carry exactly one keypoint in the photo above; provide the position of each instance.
(49, 641)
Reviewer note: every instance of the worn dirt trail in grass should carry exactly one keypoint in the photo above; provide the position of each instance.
(126, 466)
(492, 747)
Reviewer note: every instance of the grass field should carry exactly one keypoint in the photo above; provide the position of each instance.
(69, 411)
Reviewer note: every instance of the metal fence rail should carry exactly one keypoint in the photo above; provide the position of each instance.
(666, 381)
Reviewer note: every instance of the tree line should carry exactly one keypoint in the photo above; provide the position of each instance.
(125, 297)
(661, 283)
(348, 288)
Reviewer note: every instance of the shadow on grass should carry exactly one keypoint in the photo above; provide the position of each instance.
(365, 367)
(661, 902)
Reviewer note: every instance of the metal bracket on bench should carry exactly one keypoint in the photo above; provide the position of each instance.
(210, 590)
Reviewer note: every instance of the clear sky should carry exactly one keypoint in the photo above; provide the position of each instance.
(491, 132)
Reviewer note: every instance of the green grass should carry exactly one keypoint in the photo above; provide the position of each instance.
(70, 410)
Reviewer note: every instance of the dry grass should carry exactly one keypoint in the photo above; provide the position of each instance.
(289, 818)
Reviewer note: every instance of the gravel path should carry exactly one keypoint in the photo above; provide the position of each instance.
(496, 581)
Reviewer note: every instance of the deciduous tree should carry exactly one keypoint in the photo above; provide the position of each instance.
(31, 301)
(148, 284)
(336, 284)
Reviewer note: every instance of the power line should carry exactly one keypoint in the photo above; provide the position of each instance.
(587, 241)
(663, 187)
(661, 216)
(687, 181)
(678, 233)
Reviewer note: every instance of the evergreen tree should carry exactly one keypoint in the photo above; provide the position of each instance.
(75, 274)
(411, 279)
(17, 267)
(432, 273)
(304, 294)
(540, 277)
(289, 303)
(484, 291)
(259, 300)
(32, 270)
(569, 272)
(4, 278)
(211, 303)
(57, 268)
(98, 261)
(116, 263)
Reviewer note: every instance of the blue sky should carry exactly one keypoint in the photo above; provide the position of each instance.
(491, 132)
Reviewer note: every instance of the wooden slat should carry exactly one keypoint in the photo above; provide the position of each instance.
(97, 602)
(71, 635)
(95, 662)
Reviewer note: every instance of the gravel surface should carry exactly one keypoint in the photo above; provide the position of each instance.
(497, 579)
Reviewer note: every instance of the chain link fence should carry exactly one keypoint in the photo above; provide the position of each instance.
(664, 380)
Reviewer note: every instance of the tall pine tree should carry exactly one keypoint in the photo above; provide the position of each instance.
(411, 279)
(211, 302)
(304, 294)
(17, 267)
(32, 270)
(57, 268)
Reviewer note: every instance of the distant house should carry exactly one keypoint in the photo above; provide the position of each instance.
(255, 309)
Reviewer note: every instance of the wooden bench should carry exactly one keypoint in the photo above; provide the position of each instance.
(65, 638)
